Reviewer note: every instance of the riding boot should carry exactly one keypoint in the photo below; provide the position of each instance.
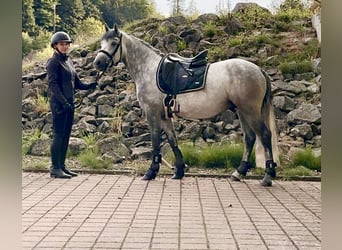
(68, 171)
(56, 172)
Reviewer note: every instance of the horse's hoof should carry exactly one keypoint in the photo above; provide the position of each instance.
(267, 181)
(235, 176)
(179, 173)
(177, 177)
(150, 175)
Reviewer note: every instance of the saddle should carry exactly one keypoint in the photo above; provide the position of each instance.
(177, 75)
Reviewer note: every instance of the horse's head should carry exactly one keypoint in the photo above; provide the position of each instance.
(110, 52)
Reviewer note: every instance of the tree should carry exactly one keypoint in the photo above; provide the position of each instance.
(44, 13)
(192, 9)
(71, 14)
(177, 6)
(92, 8)
(28, 19)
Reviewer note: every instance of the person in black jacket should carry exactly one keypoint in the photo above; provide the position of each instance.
(63, 80)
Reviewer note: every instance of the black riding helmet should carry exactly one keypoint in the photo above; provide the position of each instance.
(60, 36)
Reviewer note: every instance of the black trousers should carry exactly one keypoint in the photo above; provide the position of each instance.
(62, 121)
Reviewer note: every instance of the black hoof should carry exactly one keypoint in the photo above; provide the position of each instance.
(150, 175)
(179, 174)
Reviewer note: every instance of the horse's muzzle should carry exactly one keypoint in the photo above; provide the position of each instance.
(101, 64)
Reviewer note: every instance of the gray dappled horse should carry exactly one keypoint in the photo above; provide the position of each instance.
(233, 82)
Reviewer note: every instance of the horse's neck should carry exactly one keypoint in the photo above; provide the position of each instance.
(139, 58)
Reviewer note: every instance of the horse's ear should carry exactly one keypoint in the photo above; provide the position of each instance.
(107, 27)
(115, 27)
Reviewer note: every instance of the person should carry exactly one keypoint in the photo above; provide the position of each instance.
(63, 80)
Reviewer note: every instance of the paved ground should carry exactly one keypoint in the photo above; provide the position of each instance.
(123, 212)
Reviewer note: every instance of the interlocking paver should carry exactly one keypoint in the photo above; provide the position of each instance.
(124, 212)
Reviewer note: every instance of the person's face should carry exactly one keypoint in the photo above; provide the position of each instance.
(63, 47)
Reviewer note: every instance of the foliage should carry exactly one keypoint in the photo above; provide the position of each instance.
(91, 158)
(89, 28)
(42, 104)
(177, 7)
(26, 44)
(254, 17)
(307, 159)
(42, 39)
(213, 156)
(181, 45)
(209, 29)
(30, 137)
(44, 13)
(296, 171)
(296, 67)
(116, 124)
(71, 14)
(28, 18)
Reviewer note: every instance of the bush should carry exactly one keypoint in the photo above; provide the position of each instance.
(89, 29)
(26, 44)
(307, 159)
(214, 156)
(209, 29)
(296, 67)
(41, 40)
(91, 159)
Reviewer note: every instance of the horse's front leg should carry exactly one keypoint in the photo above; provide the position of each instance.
(156, 156)
(167, 126)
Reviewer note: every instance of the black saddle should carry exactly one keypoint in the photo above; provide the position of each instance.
(177, 74)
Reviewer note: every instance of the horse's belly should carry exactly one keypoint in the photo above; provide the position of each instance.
(199, 108)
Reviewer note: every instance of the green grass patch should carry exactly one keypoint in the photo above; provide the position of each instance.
(213, 156)
(91, 159)
(296, 171)
(307, 159)
(296, 67)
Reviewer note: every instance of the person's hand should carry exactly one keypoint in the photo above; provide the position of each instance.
(68, 107)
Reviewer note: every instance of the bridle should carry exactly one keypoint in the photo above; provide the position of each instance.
(111, 55)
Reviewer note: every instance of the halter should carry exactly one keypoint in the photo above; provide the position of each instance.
(111, 55)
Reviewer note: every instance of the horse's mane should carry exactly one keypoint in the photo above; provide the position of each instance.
(146, 44)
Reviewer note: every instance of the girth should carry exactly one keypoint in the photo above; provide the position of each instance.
(177, 74)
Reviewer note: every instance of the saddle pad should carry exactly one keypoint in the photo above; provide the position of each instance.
(180, 77)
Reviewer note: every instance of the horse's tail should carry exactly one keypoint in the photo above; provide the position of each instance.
(267, 112)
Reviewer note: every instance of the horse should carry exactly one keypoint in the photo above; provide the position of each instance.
(229, 83)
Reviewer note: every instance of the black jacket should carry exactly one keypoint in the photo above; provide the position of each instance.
(63, 79)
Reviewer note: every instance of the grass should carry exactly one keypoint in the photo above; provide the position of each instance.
(91, 159)
(307, 159)
(212, 156)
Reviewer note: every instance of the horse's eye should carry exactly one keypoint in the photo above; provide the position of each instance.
(113, 43)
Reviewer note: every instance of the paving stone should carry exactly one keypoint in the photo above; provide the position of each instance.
(124, 212)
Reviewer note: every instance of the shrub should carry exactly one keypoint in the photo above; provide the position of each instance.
(209, 29)
(26, 44)
(42, 39)
(307, 159)
(42, 104)
(91, 158)
(214, 156)
(90, 29)
(296, 67)
(181, 45)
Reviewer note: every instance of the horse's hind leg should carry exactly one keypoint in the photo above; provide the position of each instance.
(249, 140)
(265, 137)
(167, 126)
(156, 156)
